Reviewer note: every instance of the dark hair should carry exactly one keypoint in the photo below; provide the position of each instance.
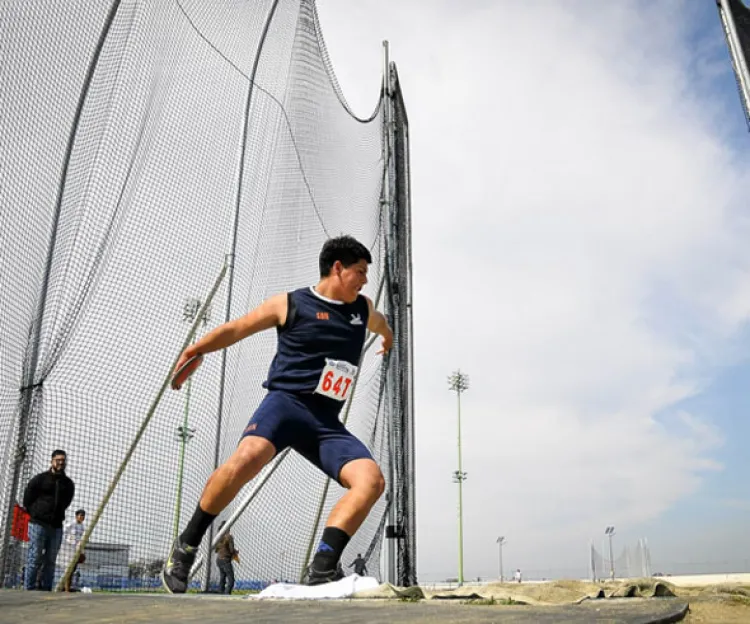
(346, 249)
(80, 511)
(57, 452)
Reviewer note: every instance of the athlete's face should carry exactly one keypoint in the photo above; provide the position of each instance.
(352, 278)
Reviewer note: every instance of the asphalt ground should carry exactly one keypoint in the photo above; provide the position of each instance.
(59, 608)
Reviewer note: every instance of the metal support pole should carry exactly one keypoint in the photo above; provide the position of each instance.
(399, 137)
(396, 217)
(230, 263)
(592, 562)
(500, 543)
(738, 58)
(406, 179)
(184, 435)
(460, 500)
(387, 208)
(610, 531)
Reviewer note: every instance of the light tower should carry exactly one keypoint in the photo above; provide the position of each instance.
(184, 432)
(500, 542)
(459, 382)
(610, 530)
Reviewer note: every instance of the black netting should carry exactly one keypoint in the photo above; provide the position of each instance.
(145, 147)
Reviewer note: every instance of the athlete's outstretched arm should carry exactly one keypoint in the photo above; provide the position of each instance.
(270, 313)
(378, 324)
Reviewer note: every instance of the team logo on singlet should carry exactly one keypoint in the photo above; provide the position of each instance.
(356, 319)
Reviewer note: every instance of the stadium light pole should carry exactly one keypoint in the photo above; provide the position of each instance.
(610, 530)
(184, 433)
(459, 382)
(500, 542)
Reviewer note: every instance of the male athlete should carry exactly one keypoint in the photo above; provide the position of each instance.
(321, 332)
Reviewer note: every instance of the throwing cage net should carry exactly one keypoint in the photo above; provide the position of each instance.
(633, 562)
(167, 166)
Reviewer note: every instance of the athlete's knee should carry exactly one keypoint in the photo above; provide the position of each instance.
(374, 486)
(377, 482)
(379, 485)
(249, 457)
(365, 477)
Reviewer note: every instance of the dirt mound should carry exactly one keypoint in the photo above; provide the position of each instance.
(552, 593)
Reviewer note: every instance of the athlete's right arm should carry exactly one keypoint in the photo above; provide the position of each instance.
(270, 313)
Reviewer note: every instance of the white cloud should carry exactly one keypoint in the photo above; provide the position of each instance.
(579, 251)
(736, 503)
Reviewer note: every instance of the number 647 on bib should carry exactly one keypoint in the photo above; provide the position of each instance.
(336, 379)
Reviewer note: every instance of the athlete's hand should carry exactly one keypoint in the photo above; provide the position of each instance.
(387, 342)
(183, 358)
(179, 376)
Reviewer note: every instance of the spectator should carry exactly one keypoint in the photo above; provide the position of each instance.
(359, 565)
(46, 498)
(226, 552)
(72, 534)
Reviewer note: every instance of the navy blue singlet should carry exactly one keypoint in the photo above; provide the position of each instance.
(316, 329)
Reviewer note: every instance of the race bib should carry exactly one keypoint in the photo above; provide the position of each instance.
(336, 379)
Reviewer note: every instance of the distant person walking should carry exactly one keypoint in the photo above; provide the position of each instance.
(46, 497)
(517, 575)
(359, 565)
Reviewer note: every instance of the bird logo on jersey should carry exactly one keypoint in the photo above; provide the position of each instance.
(356, 319)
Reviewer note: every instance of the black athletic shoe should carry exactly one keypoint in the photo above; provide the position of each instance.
(318, 577)
(174, 576)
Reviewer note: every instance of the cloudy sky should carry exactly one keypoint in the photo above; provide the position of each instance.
(580, 250)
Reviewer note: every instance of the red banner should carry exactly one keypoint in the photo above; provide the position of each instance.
(20, 527)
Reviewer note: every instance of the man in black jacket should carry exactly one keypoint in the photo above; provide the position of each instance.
(46, 498)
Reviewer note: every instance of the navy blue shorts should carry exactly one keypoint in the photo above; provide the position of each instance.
(308, 423)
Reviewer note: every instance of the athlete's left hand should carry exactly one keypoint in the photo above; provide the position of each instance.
(387, 343)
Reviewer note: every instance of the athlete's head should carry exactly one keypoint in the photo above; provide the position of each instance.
(344, 260)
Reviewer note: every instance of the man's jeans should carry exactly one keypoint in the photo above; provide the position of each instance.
(44, 542)
(226, 575)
